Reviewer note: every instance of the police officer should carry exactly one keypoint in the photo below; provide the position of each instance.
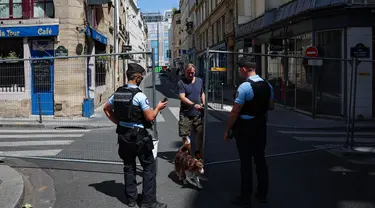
(129, 109)
(247, 121)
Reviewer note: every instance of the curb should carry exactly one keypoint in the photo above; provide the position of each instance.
(54, 126)
(12, 188)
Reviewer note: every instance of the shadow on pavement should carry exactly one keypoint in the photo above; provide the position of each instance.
(111, 188)
(310, 180)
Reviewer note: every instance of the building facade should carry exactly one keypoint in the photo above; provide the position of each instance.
(158, 38)
(187, 31)
(175, 34)
(136, 30)
(333, 28)
(59, 87)
(215, 28)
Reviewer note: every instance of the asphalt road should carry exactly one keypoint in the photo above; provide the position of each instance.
(315, 179)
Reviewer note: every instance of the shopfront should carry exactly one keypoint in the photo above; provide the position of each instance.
(316, 90)
(98, 65)
(16, 76)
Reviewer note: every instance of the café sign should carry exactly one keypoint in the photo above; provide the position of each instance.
(29, 31)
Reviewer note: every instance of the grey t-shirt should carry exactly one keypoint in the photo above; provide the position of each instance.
(193, 92)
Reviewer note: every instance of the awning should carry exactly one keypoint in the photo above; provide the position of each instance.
(98, 2)
(94, 34)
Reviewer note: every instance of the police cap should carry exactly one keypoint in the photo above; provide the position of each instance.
(135, 68)
(246, 62)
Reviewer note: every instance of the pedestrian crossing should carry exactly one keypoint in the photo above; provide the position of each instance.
(37, 142)
(324, 139)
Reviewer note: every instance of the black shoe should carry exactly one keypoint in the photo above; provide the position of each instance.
(132, 204)
(261, 198)
(153, 205)
(241, 202)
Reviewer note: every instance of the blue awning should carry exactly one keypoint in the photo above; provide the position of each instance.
(94, 34)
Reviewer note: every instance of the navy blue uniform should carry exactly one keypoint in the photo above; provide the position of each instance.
(250, 132)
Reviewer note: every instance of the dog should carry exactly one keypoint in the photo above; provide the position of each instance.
(188, 168)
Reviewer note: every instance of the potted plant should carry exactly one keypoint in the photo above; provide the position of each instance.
(11, 55)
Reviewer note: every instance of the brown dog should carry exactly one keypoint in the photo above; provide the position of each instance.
(187, 167)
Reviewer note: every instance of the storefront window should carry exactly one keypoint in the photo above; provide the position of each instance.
(12, 75)
(10, 9)
(43, 8)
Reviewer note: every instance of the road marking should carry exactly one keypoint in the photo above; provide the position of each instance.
(22, 136)
(327, 133)
(32, 153)
(44, 131)
(176, 112)
(160, 118)
(333, 139)
(35, 143)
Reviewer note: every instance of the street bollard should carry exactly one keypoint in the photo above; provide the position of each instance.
(40, 109)
(222, 95)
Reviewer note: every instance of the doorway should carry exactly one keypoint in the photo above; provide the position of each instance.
(42, 77)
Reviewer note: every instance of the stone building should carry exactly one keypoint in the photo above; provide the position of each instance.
(215, 28)
(176, 39)
(334, 28)
(58, 87)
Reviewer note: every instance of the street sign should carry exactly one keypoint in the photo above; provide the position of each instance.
(360, 51)
(311, 51)
(126, 48)
(315, 62)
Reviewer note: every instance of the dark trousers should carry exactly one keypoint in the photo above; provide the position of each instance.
(128, 151)
(251, 143)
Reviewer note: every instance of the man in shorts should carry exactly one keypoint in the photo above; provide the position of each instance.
(192, 98)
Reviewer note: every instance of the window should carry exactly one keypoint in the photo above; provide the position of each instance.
(165, 35)
(10, 9)
(43, 8)
(166, 48)
(12, 74)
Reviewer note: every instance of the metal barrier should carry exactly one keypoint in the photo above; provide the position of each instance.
(315, 86)
(64, 91)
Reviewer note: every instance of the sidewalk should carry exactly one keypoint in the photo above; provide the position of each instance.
(11, 187)
(98, 120)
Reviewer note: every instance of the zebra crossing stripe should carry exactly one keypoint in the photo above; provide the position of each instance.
(31, 153)
(44, 131)
(25, 136)
(36, 143)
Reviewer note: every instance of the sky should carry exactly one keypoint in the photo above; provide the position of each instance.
(157, 5)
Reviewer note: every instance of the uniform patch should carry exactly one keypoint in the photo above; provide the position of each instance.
(147, 102)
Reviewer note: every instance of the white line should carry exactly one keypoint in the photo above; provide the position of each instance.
(31, 153)
(326, 133)
(40, 136)
(176, 112)
(35, 143)
(333, 139)
(160, 118)
(44, 131)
